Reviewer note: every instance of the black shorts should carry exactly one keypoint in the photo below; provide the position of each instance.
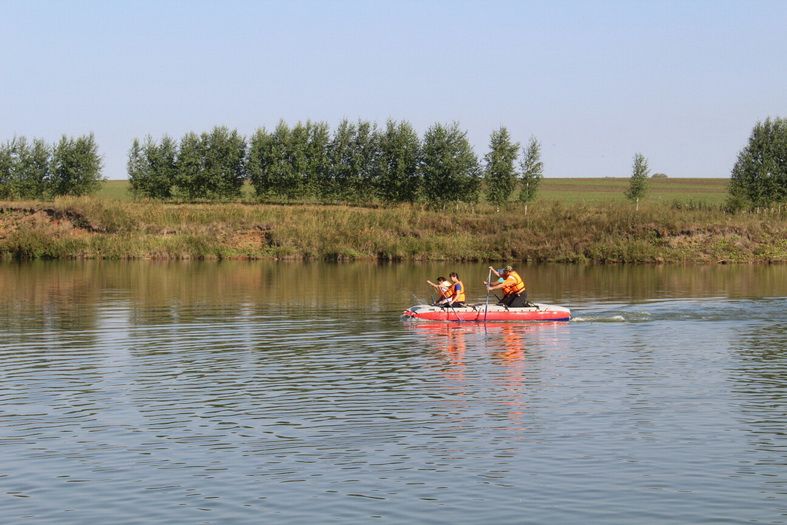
(514, 300)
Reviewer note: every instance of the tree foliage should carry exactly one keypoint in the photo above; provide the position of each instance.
(207, 166)
(289, 162)
(500, 175)
(6, 167)
(638, 183)
(76, 166)
(340, 181)
(532, 171)
(37, 170)
(26, 169)
(759, 176)
(356, 162)
(400, 154)
(450, 168)
(152, 168)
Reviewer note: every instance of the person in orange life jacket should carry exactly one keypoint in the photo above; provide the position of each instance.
(513, 286)
(457, 291)
(443, 288)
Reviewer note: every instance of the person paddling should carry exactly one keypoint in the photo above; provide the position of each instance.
(513, 286)
(443, 288)
(457, 291)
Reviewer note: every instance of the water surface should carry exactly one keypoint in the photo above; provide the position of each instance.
(263, 392)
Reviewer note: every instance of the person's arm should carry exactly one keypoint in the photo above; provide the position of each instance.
(433, 285)
(494, 272)
(501, 285)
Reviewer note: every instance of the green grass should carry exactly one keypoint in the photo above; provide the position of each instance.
(115, 190)
(572, 220)
(611, 232)
(594, 191)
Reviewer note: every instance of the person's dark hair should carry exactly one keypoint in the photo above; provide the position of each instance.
(453, 274)
(441, 279)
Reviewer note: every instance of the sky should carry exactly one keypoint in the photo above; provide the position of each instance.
(682, 82)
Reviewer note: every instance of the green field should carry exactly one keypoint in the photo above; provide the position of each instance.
(591, 191)
(575, 190)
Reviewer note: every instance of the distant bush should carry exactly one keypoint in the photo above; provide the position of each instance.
(659, 176)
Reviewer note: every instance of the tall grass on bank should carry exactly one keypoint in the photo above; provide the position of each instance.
(605, 233)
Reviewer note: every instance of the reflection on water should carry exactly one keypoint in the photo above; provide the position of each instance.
(248, 392)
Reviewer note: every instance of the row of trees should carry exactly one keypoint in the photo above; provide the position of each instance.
(37, 170)
(357, 162)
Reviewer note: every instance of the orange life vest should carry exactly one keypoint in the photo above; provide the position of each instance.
(458, 296)
(517, 286)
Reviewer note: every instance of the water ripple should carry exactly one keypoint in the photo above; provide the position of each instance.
(662, 411)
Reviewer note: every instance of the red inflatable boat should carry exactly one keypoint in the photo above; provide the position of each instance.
(482, 313)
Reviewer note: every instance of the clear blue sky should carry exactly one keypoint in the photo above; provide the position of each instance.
(682, 82)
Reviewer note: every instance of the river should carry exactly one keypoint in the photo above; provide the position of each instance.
(262, 392)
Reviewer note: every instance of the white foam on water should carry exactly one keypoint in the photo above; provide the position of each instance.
(599, 319)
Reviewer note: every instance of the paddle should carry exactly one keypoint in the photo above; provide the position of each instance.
(488, 283)
(454, 310)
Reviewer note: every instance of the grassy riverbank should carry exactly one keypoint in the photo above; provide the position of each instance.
(551, 231)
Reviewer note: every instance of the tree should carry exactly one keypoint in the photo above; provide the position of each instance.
(365, 161)
(317, 163)
(225, 167)
(258, 163)
(499, 174)
(449, 166)
(532, 172)
(638, 183)
(211, 165)
(6, 171)
(282, 174)
(400, 152)
(341, 161)
(35, 177)
(759, 176)
(298, 158)
(25, 169)
(270, 163)
(190, 168)
(152, 168)
(76, 166)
